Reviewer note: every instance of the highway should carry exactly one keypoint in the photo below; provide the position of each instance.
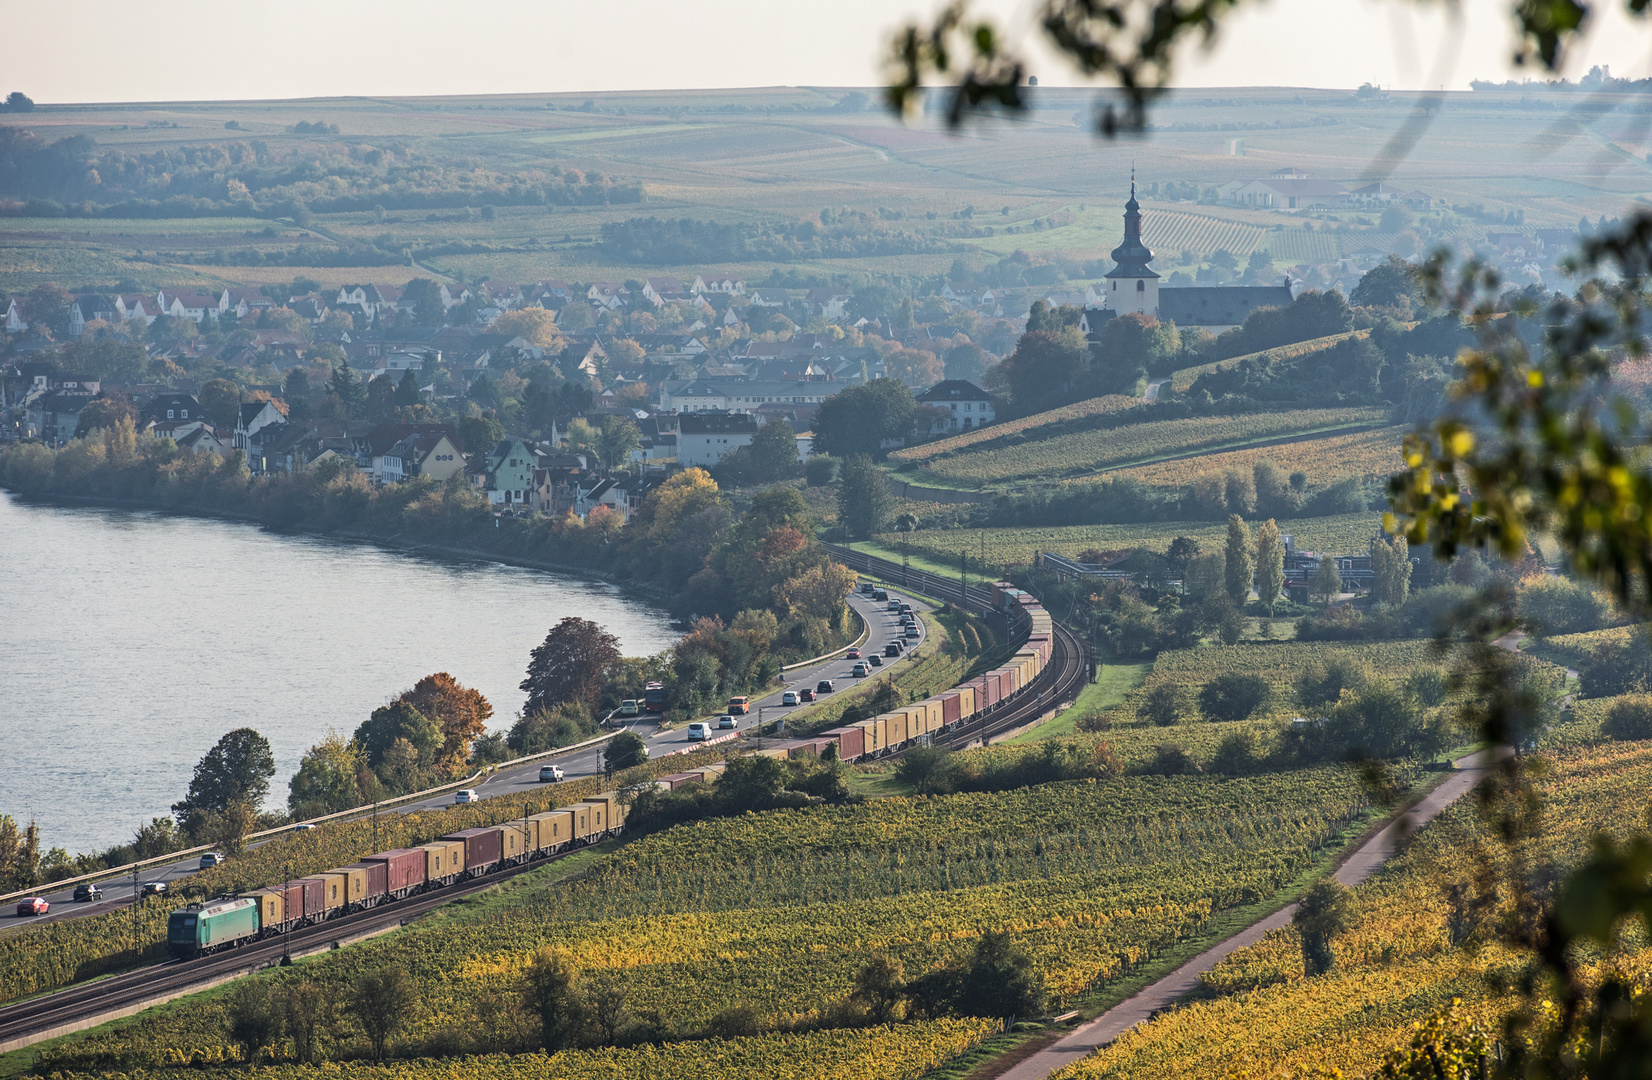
(509, 780)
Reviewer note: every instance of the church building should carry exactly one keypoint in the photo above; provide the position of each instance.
(1132, 287)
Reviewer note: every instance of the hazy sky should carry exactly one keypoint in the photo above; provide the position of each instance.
(192, 49)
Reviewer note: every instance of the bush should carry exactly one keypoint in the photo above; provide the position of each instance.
(1557, 605)
(1164, 705)
(1170, 759)
(1238, 754)
(1629, 718)
(1234, 697)
(1323, 684)
(1428, 686)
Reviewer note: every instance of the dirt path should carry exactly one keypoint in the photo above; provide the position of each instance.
(1141, 1006)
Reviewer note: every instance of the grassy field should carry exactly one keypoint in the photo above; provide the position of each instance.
(1111, 685)
(1365, 455)
(939, 548)
(1036, 426)
(1043, 184)
(1181, 381)
(1079, 454)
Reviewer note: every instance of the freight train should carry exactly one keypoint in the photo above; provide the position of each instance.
(893, 731)
(390, 875)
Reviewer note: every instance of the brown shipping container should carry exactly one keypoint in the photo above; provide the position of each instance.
(951, 707)
(851, 742)
(375, 877)
(271, 907)
(311, 892)
(995, 687)
(873, 733)
(483, 846)
(556, 828)
(516, 839)
(404, 868)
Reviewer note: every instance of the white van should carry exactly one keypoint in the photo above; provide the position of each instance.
(699, 731)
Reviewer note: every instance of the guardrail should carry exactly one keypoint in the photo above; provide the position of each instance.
(172, 856)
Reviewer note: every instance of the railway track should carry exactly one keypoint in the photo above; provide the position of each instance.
(74, 1007)
(1061, 680)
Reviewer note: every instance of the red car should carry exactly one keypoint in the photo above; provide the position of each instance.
(805, 694)
(34, 905)
(854, 654)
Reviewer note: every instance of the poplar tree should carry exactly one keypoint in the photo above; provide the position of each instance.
(1240, 568)
(1270, 563)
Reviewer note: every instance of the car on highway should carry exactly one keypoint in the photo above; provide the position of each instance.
(894, 605)
(87, 893)
(853, 654)
(824, 686)
(305, 826)
(699, 731)
(34, 905)
(209, 860)
(153, 888)
(892, 649)
(551, 772)
(906, 609)
(912, 632)
(726, 721)
(880, 595)
(805, 694)
(859, 671)
(789, 698)
(465, 795)
(875, 660)
(630, 707)
(739, 706)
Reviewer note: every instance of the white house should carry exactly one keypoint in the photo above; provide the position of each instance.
(704, 437)
(966, 406)
(196, 307)
(720, 283)
(453, 295)
(254, 417)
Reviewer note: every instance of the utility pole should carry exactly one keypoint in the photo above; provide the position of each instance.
(963, 580)
(286, 916)
(375, 825)
(525, 835)
(137, 946)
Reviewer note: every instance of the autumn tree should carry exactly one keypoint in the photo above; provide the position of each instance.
(382, 1001)
(1327, 581)
(461, 714)
(1391, 571)
(1321, 914)
(863, 498)
(327, 778)
(221, 401)
(1270, 563)
(534, 324)
(1238, 569)
(569, 665)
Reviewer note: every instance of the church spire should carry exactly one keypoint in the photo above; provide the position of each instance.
(1132, 256)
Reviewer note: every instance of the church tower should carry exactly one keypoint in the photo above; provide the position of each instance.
(1132, 286)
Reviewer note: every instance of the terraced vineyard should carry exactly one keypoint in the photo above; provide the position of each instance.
(1181, 381)
(1027, 425)
(1019, 547)
(1365, 456)
(1177, 230)
(1394, 966)
(1085, 453)
(780, 909)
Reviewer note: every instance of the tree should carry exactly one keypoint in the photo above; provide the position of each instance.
(1181, 552)
(254, 1017)
(310, 1013)
(820, 470)
(104, 411)
(1233, 697)
(1391, 571)
(967, 361)
(407, 390)
(620, 438)
(1045, 369)
(570, 664)
(350, 390)
(326, 780)
(382, 1001)
(879, 987)
(1320, 915)
(1238, 570)
(1270, 563)
(19, 854)
(534, 324)
(1390, 285)
(221, 402)
(460, 713)
(772, 455)
(927, 768)
(1164, 705)
(550, 991)
(17, 101)
(1002, 980)
(399, 722)
(425, 296)
(863, 497)
(480, 434)
(859, 419)
(626, 750)
(548, 729)
(236, 770)
(49, 309)
(1326, 582)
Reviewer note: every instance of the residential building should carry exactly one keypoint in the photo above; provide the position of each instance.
(88, 307)
(453, 295)
(196, 307)
(53, 416)
(704, 396)
(170, 408)
(252, 418)
(704, 437)
(719, 283)
(507, 472)
(960, 406)
(828, 303)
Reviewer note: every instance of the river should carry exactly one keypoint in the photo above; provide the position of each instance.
(131, 641)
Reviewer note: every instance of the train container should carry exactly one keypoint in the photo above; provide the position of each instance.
(516, 841)
(673, 781)
(193, 931)
(365, 883)
(313, 895)
(707, 776)
(812, 747)
(444, 861)
(874, 733)
(995, 686)
(918, 724)
(999, 589)
(1041, 646)
(952, 708)
(774, 752)
(601, 817)
(484, 847)
(272, 908)
(556, 829)
(1008, 682)
(582, 815)
(404, 870)
(895, 726)
(934, 714)
(334, 893)
(851, 742)
(966, 701)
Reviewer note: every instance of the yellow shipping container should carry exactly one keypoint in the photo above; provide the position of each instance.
(355, 884)
(896, 724)
(271, 907)
(582, 820)
(556, 828)
(443, 859)
(936, 715)
(516, 839)
(966, 702)
(874, 730)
